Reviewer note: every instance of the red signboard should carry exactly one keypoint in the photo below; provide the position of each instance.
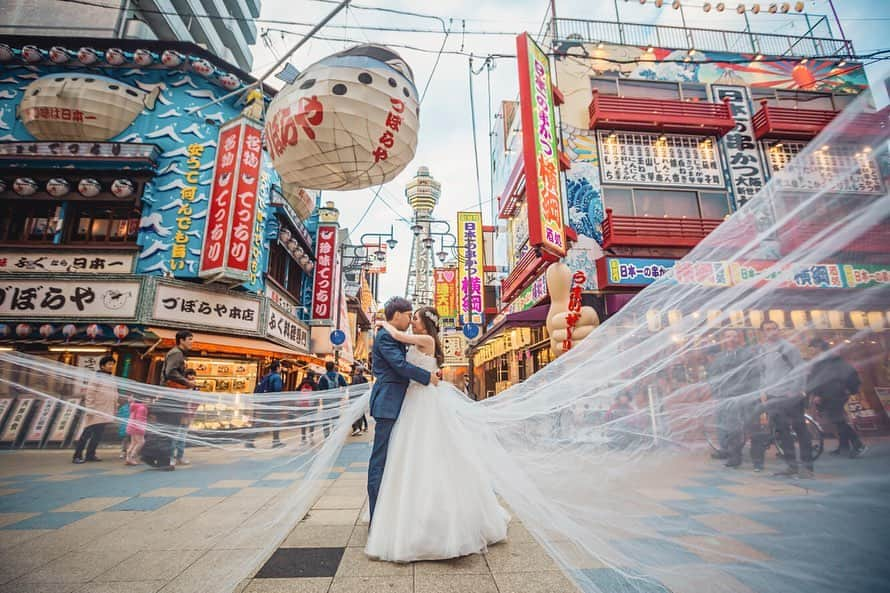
(233, 200)
(325, 278)
(540, 149)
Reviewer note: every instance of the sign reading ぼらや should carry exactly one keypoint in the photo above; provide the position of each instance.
(78, 262)
(205, 308)
(85, 298)
(233, 202)
(285, 328)
(469, 240)
(540, 145)
(742, 152)
(323, 289)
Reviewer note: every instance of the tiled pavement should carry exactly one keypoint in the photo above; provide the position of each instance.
(104, 527)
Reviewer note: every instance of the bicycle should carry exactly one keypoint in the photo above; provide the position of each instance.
(817, 436)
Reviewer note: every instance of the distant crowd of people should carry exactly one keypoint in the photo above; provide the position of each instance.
(165, 449)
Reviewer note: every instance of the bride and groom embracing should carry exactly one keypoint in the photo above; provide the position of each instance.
(429, 497)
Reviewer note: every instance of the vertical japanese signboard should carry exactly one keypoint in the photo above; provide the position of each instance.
(325, 279)
(469, 239)
(540, 149)
(742, 153)
(233, 200)
(446, 292)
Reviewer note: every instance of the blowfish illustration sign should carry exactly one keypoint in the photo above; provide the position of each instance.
(228, 235)
(540, 149)
(469, 237)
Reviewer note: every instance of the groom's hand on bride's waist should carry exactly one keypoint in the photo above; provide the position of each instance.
(434, 378)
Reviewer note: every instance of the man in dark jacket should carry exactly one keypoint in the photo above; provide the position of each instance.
(330, 380)
(267, 412)
(358, 378)
(735, 382)
(831, 382)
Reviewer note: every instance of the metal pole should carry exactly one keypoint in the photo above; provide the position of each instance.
(283, 59)
(618, 20)
(840, 28)
(553, 23)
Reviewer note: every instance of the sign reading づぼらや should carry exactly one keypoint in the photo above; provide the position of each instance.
(197, 307)
(325, 278)
(469, 239)
(52, 298)
(233, 202)
(540, 149)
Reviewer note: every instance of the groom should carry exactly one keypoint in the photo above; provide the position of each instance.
(393, 373)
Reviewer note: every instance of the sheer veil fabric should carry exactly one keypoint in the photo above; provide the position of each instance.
(626, 499)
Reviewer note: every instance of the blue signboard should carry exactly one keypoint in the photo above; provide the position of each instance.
(471, 330)
(338, 337)
(634, 271)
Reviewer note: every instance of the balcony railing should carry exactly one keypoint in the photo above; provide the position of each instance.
(874, 240)
(659, 115)
(672, 37)
(643, 231)
(790, 124)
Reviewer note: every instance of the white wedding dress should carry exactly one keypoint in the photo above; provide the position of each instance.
(436, 500)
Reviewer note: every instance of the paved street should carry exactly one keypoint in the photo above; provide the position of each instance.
(67, 529)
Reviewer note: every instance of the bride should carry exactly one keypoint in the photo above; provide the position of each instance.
(435, 500)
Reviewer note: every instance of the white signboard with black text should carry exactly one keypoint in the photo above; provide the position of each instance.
(213, 310)
(742, 152)
(285, 328)
(86, 298)
(39, 426)
(5, 404)
(67, 262)
(642, 158)
(64, 420)
(17, 419)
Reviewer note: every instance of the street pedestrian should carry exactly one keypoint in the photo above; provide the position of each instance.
(123, 415)
(168, 411)
(179, 442)
(305, 404)
(831, 382)
(785, 402)
(330, 380)
(100, 401)
(268, 412)
(136, 425)
(358, 378)
(735, 379)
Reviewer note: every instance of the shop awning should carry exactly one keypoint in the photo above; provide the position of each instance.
(230, 344)
(533, 317)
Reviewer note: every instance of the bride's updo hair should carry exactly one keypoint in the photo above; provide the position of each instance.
(430, 319)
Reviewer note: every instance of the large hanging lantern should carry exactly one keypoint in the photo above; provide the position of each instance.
(349, 121)
(74, 106)
(121, 331)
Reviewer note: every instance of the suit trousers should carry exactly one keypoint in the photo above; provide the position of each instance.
(91, 434)
(377, 463)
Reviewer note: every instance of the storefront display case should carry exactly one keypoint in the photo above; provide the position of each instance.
(231, 382)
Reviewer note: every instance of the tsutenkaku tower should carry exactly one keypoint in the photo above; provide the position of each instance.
(423, 193)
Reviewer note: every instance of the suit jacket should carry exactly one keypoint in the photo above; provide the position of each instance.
(393, 374)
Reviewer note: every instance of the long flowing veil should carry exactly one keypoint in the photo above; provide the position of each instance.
(605, 454)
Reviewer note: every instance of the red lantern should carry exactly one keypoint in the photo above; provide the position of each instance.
(68, 330)
(22, 330)
(46, 330)
(121, 331)
(93, 330)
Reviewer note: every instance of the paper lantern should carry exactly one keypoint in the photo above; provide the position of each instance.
(121, 331)
(87, 55)
(202, 67)
(58, 55)
(115, 56)
(799, 319)
(171, 58)
(777, 316)
(740, 9)
(68, 330)
(836, 319)
(122, 188)
(57, 187)
(25, 186)
(229, 81)
(653, 320)
(2, 186)
(143, 57)
(875, 320)
(74, 106)
(22, 330)
(89, 187)
(756, 318)
(46, 330)
(349, 121)
(93, 330)
(284, 235)
(5, 52)
(755, 8)
(4, 330)
(32, 54)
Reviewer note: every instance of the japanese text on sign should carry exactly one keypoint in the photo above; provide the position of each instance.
(641, 158)
(541, 149)
(637, 272)
(111, 150)
(325, 257)
(446, 292)
(249, 156)
(469, 228)
(198, 307)
(846, 169)
(742, 154)
(285, 128)
(184, 214)
(63, 298)
(34, 261)
(287, 329)
(390, 128)
(216, 232)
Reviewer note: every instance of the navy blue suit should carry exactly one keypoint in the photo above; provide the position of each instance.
(393, 375)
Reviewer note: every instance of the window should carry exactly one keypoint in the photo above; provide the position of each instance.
(659, 203)
(800, 99)
(34, 221)
(606, 86)
(646, 89)
(694, 92)
(284, 270)
(103, 223)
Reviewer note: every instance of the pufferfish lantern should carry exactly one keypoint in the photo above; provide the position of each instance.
(349, 121)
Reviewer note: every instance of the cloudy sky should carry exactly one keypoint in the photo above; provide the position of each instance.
(484, 27)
